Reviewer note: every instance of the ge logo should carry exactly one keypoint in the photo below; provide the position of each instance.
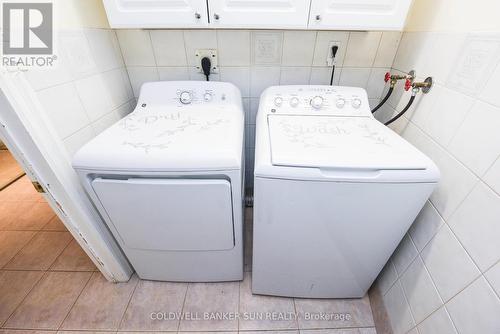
(27, 28)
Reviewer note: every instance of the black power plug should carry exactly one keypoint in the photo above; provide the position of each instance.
(335, 48)
(206, 65)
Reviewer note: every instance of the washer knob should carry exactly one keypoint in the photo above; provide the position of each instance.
(185, 97)
(317, 102)
(294, 101)
(356, 103)
(278, 101)
(207, 97)
(340, 102)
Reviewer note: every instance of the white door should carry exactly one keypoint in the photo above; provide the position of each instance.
(358, 14)
(156, 13)
(276, 14)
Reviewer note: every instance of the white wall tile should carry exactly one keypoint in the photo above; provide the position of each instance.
(266, 48)
(493, 277)
(140, 75)
(355, 77)
(105, 122)
(295, 75)
(490, 91)
(437, 323)
(198, 39)
(445, 255)
(239, 76)
(136, 47)
(410, 47)
(447, 115)
(375, 85)
(492, 177)
(476, 309)
(477, 142)
(102, 45)
(398, 310)
(362, 49)
(233, 47)
(424, 105)
(168, 47)
(476, 224)
(404, 254)
(77, 55)
(173, 73)
(445, 48)
(420, 291)
(263, 77)
(196, 74)
(117, 83)
(323, 75)
(298, 48)
(64, 108)
(322, 47)
(74, 142)
(425, 226)
(95, 96)
(125, 109)
(449, 193)
(387, 49)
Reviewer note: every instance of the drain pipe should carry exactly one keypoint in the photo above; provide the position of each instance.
(393, 80)
(425, 86)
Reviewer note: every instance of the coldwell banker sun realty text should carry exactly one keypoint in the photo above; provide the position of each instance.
(28, 34)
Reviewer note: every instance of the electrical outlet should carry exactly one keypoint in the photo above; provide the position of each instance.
(330, 61)
(210, 53)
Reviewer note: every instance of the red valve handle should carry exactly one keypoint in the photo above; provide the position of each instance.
(387, 77)
(407, 84)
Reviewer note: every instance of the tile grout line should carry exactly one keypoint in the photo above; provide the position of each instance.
(182, 308)
(128, 303)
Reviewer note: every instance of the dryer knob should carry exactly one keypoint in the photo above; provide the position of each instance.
(185, 97)
(356, 103)
(278, 101)
(294, 101)
(317, 102)
(340, 102)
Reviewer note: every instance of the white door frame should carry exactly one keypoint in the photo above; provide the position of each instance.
(31, 138)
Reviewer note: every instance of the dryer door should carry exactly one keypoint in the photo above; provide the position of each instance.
(169, 214)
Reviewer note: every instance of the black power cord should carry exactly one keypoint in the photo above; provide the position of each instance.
(405, 109)
(335, 48)
(206, 65)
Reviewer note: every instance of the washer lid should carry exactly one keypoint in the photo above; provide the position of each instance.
(340, 143)
(168, 139)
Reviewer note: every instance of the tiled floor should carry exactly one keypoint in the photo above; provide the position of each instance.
(9, 169)
(47, 283)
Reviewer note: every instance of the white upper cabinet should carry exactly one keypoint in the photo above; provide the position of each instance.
(270, 14)
(156, 13)
(358, 14)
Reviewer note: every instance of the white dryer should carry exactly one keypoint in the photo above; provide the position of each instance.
(335, 191)
(168, 181)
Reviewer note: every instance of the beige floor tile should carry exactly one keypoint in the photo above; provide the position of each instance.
(21, 190)
(213, 299)
(101, 305)
(32, 219)
(333, 331)
(11, 242)
(218, 332)
(256, 312)
(14, 286)
(41, 251)
(25, 331)
(152, 298)
(90, 332)
(339, 313)
(10, 170)
(55, 224)
(73, 258)
(10, 212)
(49, 302)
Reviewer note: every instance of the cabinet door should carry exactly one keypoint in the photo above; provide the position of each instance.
(358, 14)
(275, 14)
(156, 13)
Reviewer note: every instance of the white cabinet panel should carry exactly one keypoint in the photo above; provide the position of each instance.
(274, 14)
(358, 14)
(156, 13)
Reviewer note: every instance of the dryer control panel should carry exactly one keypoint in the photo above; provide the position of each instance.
(188, 93)
(315, 100)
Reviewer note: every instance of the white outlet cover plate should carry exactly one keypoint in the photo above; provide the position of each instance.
(210, 53)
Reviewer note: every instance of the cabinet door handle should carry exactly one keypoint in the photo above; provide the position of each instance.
(318, 17)
(197, 16)
(216, 16)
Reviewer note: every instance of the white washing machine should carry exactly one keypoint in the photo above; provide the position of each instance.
(168, 181)
(335, 191)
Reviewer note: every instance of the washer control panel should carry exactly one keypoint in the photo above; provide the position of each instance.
(316, 100)
(183, 94)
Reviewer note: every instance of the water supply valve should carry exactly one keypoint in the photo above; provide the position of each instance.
(408, 84)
